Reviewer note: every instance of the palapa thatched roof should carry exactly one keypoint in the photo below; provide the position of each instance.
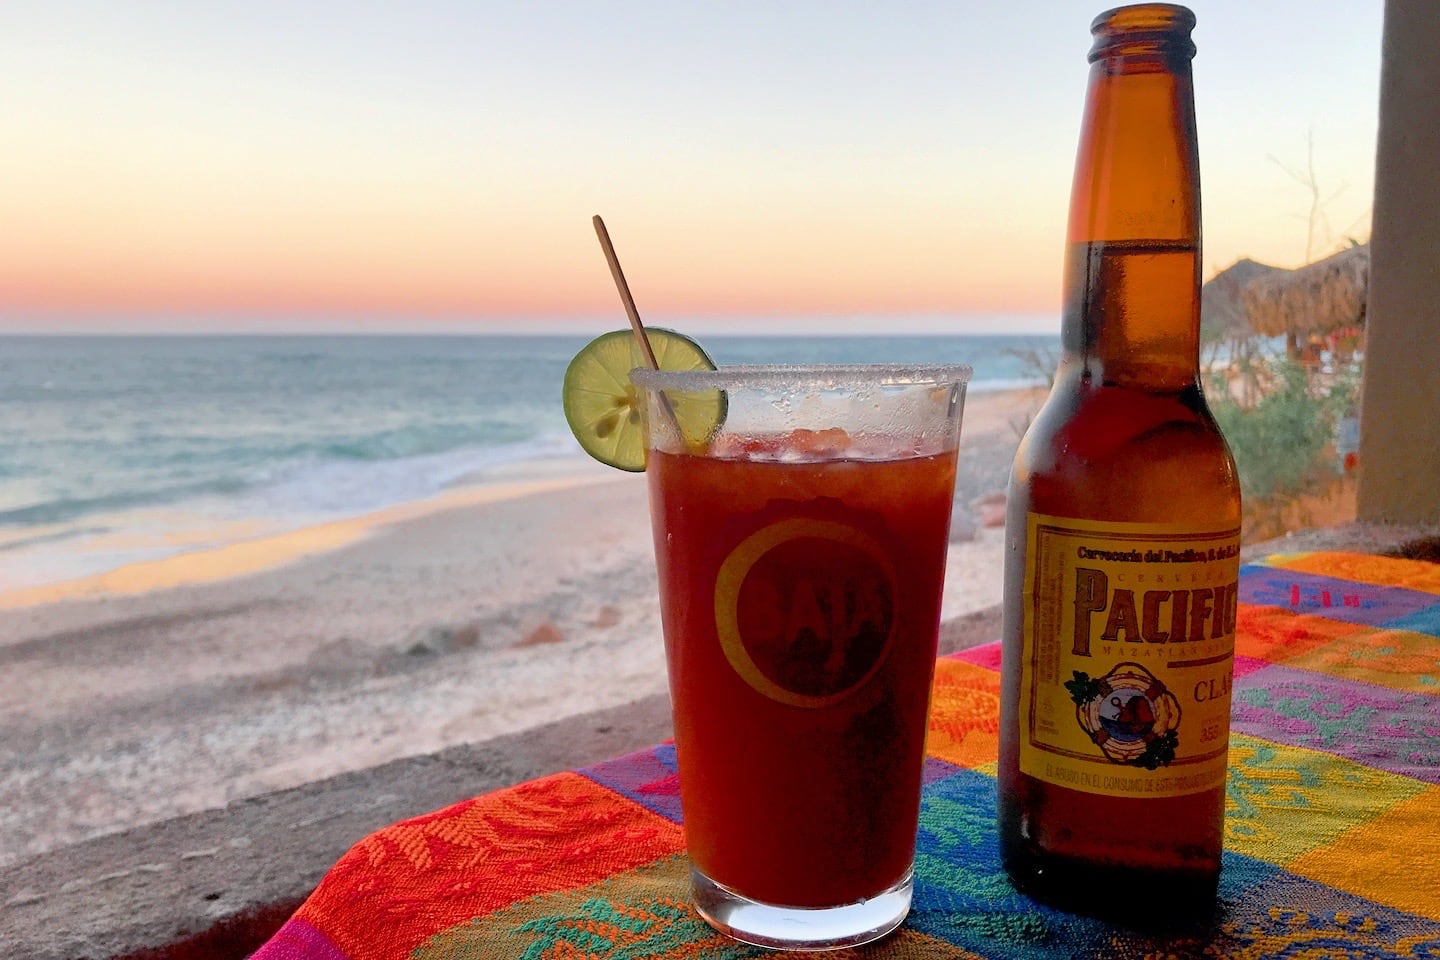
(1316, 298)
(1222, 312)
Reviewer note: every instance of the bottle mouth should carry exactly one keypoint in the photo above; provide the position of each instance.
(1146, 30)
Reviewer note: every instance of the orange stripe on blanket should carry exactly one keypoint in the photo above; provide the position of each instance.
(1278, 636)
(1364, 568)
(1399, 659)
(1393, 858)
(964, 714)
(403, 884)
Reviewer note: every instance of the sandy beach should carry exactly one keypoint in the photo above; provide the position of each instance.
(182, 684)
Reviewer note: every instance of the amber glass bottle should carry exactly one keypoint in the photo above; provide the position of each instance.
(1123, 523)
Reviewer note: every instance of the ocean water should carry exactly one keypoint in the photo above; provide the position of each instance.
(119, 449)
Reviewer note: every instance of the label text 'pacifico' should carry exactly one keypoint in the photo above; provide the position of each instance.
(1155, 616)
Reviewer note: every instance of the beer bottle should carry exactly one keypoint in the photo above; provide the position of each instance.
(1123, 525)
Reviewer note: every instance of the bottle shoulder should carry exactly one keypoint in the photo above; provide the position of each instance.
(1092, 421)
(1124, 453)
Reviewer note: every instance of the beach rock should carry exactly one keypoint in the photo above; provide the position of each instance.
(547, 632)
(443, 638)
(990, 509)
(606, 616)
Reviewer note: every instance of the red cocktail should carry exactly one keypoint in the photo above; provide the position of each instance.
(801, 571)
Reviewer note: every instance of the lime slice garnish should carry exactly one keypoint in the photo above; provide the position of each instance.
(605, 410)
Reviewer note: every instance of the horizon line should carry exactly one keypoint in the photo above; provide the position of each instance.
(471, 334)
(710, 324)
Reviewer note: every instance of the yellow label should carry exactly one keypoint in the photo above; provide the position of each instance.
(1129, 644)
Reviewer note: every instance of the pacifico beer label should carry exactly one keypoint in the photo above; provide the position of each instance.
(805, 609)
(1129, 641)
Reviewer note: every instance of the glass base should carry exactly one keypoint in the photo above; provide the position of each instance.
(801, 928)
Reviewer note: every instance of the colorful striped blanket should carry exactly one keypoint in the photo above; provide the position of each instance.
(1332, 829)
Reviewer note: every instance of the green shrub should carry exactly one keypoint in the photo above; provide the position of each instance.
(1283, 444)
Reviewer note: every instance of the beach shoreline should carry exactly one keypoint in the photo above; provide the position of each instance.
(246, 556)
(176, 686)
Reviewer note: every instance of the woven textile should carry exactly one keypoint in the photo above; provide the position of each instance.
(1332, 823)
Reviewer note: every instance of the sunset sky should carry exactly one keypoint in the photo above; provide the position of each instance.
(805, 165)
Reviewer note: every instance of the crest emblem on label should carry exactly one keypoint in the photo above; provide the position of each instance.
(805, 609)
(1128, 714)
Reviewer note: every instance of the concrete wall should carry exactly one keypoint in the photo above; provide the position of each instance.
(1400, 398)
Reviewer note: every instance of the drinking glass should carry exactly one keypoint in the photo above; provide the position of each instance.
(800, 544)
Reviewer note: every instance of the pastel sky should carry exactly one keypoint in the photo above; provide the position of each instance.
(805, 165)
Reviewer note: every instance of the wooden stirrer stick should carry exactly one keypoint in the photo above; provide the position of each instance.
(636, 326)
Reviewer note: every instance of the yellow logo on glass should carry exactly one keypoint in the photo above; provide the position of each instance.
(805, 610)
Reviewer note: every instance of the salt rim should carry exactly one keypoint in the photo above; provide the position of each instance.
(827, 376)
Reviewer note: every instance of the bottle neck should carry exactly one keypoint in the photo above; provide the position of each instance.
(1132, 272)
